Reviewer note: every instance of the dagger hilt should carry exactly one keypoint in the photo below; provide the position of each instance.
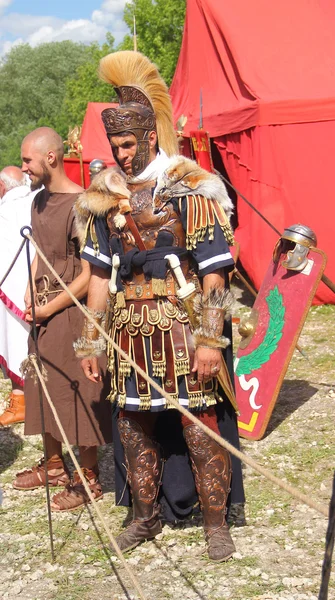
(185, 289)
(115, 267)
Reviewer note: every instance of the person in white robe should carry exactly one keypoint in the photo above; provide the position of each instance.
(15, 212)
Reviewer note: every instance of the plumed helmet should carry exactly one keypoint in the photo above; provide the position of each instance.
(145, 104)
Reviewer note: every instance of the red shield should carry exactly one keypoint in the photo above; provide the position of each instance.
(276, 320)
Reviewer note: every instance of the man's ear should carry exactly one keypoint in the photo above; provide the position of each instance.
(51, 157)
(152, 139)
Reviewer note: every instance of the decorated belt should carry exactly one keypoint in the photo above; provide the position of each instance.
(144, 291)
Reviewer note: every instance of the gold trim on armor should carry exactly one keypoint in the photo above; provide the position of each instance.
(181, 356)
(201, 213)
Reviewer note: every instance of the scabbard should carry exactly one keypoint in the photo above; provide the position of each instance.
(227, 386)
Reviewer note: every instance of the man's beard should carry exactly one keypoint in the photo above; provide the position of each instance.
(44, 179)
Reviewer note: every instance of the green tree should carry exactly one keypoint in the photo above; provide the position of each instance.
(85, 86)
(32, 89)
(159, 27)
(33, 82)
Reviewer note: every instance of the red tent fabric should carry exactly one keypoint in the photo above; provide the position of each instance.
(94, 142)
(266, 71)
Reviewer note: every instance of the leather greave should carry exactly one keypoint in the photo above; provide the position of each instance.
(211, 466)
(143, 468)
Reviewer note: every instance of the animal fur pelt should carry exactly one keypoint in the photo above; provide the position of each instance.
(108, 190)
(184, 177)
(204, 334)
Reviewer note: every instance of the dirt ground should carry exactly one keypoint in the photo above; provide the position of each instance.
(279, 552)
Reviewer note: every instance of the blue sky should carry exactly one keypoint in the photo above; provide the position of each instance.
(40, 21)
(64, 9)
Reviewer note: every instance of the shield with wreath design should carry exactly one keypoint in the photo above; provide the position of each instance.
(271, 332)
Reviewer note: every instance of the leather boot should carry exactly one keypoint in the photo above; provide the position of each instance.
(15, 410)
(211, 466)
(144, 474)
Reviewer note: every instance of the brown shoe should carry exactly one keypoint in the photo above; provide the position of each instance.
(137, 532)
(15, 410)
(74, 496)
(220, 545)
(30, 479)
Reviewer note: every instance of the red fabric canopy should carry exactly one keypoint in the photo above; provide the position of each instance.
(257, 63)
(266, 71)
(93, 135)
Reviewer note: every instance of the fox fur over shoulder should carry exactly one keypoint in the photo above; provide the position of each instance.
(108, 190)
(184, 177)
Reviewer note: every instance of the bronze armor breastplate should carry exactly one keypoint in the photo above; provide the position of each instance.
(148, 224)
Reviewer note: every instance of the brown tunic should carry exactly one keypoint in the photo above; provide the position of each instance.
(80, 404)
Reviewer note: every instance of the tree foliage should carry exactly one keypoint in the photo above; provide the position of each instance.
(52, 83)
(32, 89)
(85, 86)
(159, 28)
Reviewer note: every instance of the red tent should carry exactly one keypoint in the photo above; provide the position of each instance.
(266, 71)
(94, 142)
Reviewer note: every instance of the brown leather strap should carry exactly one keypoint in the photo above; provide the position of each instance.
(134, 230)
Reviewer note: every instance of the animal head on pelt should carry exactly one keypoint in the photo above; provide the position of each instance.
(184, 177)
(108, 190)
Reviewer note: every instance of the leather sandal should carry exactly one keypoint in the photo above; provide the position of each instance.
(31, 479)
(75, 496)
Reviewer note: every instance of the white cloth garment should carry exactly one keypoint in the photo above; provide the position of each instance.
(15, 212)
(153, 170)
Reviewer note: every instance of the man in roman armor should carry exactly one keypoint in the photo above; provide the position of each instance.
(154, 204)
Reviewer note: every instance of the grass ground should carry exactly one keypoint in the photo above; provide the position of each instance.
(279, 552)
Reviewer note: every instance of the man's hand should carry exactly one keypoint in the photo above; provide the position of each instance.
(90, 366)
(207, 362)
(27, 299)
(42, 313)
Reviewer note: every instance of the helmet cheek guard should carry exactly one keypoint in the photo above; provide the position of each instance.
(295, 243)
(134, 116)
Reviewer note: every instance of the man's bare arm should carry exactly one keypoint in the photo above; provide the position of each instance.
(98, 289)
(78, 287)
(96, 300)
(27, 298)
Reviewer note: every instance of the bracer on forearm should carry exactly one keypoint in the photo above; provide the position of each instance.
(213, 309)
(91, 343)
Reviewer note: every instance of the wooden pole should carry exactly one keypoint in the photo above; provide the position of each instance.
(134, 34)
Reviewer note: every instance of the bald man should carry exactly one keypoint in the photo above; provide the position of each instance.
(15, 206)
(81, 407)
(10, 178)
